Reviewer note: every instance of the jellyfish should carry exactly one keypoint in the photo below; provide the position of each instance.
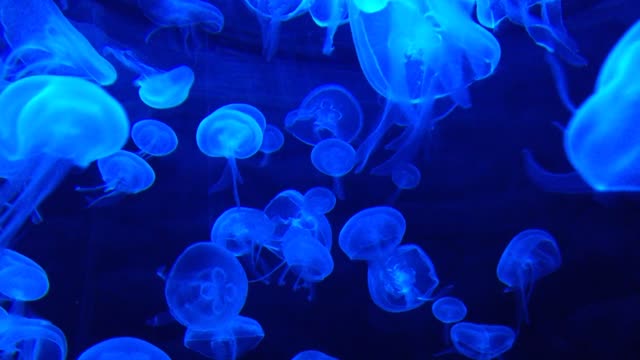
(21, 279)
(329, 14)
(229, 342)
(402, 281)
(482, 341)
(449, 310)
(312, 355)
(319, 200)
(250, 110)
(30, 338)
(306, 257)
(272, 141)
(154, 138)
(241, 229)
(405, 176)
(271, 13)
(328, 111)
(44, 42)
(206, 287)
(230, 134)
(372, 234)
(530, 255)
(123, 173)
(49, 125)
(334, 158)
(547, 30)
(124, 348)
(370, 6)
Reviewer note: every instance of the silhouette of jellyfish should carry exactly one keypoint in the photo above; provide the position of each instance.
(158, 89)
(206, 287)
(312, 355)
(481, 341)
(28, 338)
(124, 348)
(123, 173)
(229, 134)
(403, 281)
(272, 141)
(50, 124)
(239, 336)
(335, 158)
(530, 255)
(44, 42)
(328, 111)
(154, 138)
(329, 14)
(372, 234)
(21, 278)
(241, 229)
(319, 200)
(449, 310)
(547, 30)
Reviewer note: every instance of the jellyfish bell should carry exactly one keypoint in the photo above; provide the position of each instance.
(154, 138)
(21, 279)
(231, 341)
(123, 348)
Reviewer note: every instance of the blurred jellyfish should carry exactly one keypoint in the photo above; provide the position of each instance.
(306, 257)
(154, 138)
(312, 355)
(328, 111)
(319, 200)
(229, 342)
(329, 14)
(449, 310)
(405, 176)
(530, 255)
(21, 278)
(206, 287)
(43, 41)
(242, 229)
(372, 234)
(33, 339)
(272, 141)
(50, 124)
(230, 134)
(403, 281)
(124, 348)
(123, 173)
(334, 158)
(481, 341)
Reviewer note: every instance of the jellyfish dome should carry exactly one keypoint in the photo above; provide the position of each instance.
(482, 341)
(449, 310)
(124, 348)
(333, 157)
(21, 278)
(29, 338)
(406, 176)
(370, 6)
(306, 256)
(319, 200)
(126, 172)
(234, 340)
(206, 287)
(250, 110)
(240, 229)
(403, 281)
(372, 233)
(184, 14)
(154, 137)
(272, 140)
(312, 355)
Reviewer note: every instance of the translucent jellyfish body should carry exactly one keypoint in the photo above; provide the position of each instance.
(305, 256)
(50, 124)
(329, 14)
(29, 338)
(482, 341)
(449, 310)
(530, 255)
(124, 348)
(206, 287)
(312, 355)
(240, 230)
(230, 134)
(272, 141)
(372, 234)
(328, 111)
(43, 41)
(228, 342)
(186, 15)
(21, 278)
(406, 176)
(335, 158)
(403, 281)
(319, 200)
(154, 138)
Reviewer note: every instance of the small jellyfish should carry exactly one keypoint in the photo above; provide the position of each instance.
(482, 341)
(154, 138)
(319, 200)
(272, 141)
(43, 41)
(328, 111)
(29, 338)
(403, 281)
(312, 355)
(530, 255)
(334, 158)
(21, 278)
(405, 176)
(329, 14)
(241, 229)
(124, 348)
(158, 89)
(206, 287)
(372, 234)
(306, 257)
(230, 134)
(449, 310)
(123, 173)
(229, 342)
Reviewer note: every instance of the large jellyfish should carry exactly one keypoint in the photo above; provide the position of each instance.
(124, 348)
(50, 124)
(372, 234)
(28, 338)
(240, 335)
(154, 138)
(21, 278)
(329, 14)
(44, 41)
(482, 341)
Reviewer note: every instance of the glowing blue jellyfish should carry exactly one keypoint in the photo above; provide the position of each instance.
(206, 287)
(124, 348)
(229, 342)
(449, 310)
(272, 141)
(306, 257)
(250, 110)
(312, 355)
(123, 173)
(328, 111)
(49, 125)
(319, 200)
(44, 41)
(372, 234)
(406, 176)
(370, 6)
(402, 281)
(547, 30)
(482, 341)
(530, 256)
(241, 229)
(334, 158)
(21, 278)
(329, 14)
(154, 138)
(28, 338)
